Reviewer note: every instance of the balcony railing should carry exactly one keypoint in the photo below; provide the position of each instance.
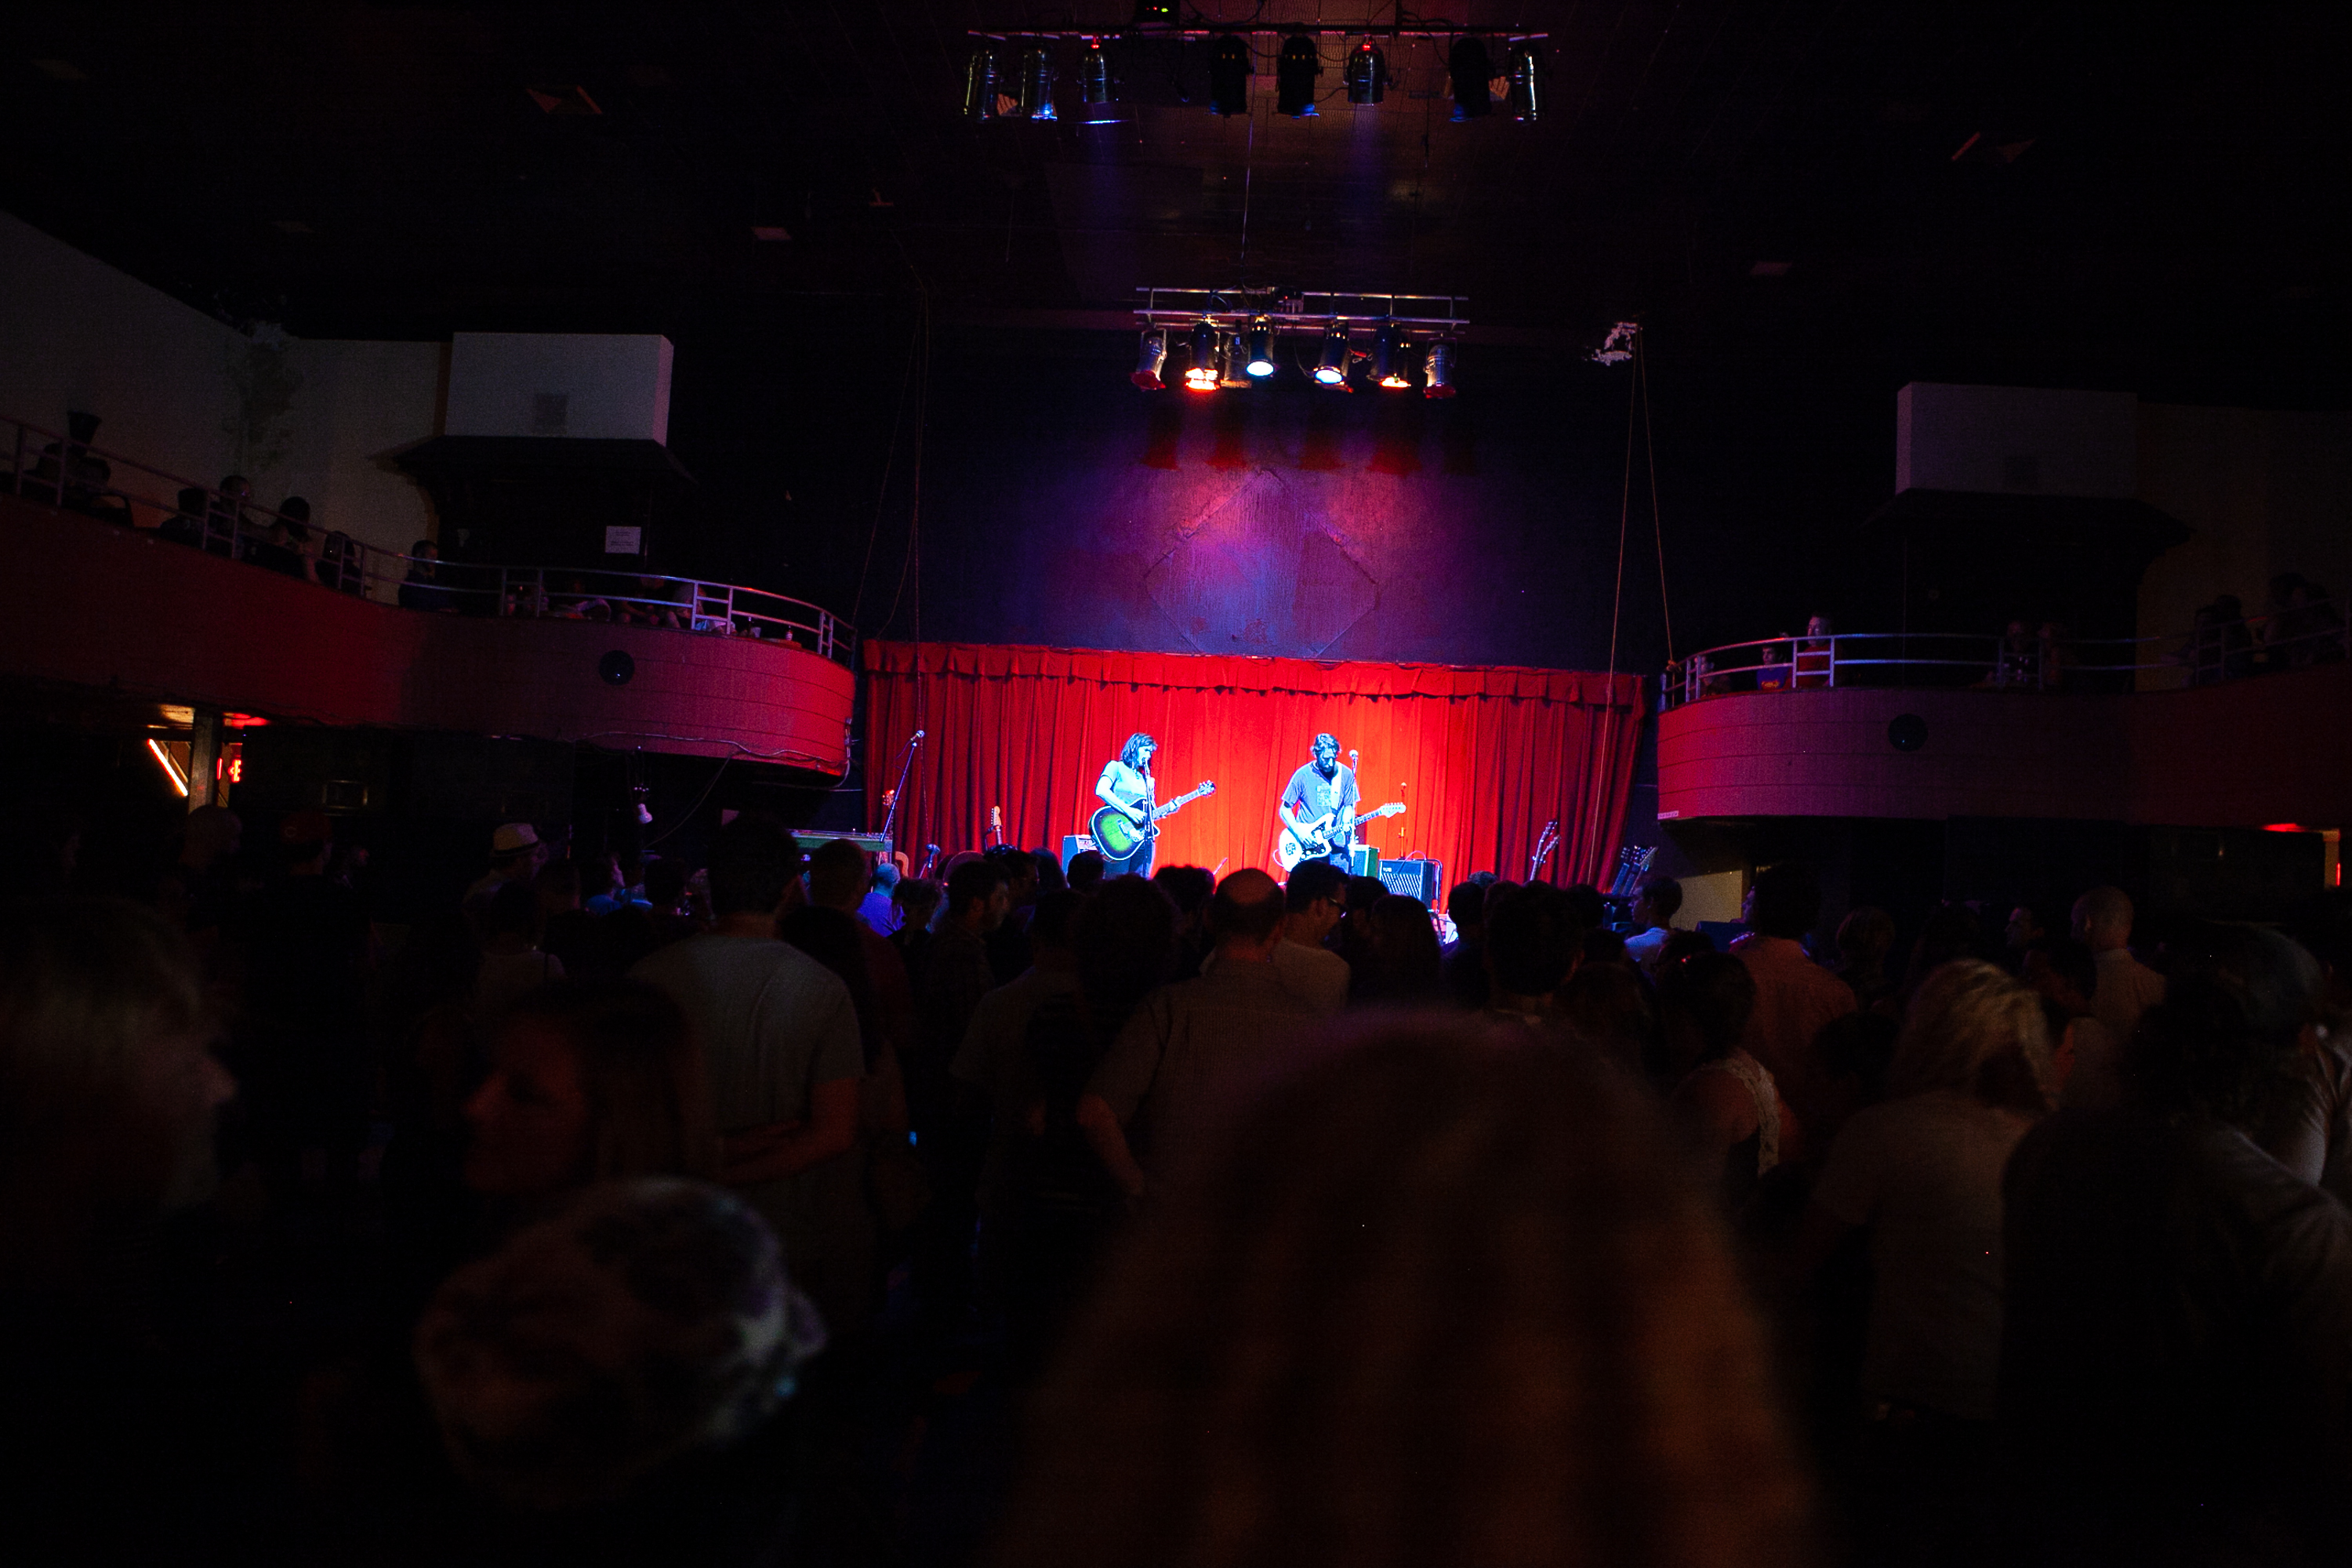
(47, 466)
(2209, 652)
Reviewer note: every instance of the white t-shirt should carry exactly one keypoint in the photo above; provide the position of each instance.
(1923, 1173)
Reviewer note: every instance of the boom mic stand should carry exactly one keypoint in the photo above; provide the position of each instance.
(906, 761)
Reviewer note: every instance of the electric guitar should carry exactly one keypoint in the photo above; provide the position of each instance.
(1315, 840)
(1118, 835)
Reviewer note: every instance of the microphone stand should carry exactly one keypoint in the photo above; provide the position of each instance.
(906, 761)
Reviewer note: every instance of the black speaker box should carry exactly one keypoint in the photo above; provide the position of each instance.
(1422, 879)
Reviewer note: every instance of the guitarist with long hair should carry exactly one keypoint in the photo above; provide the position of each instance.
(1126, 786)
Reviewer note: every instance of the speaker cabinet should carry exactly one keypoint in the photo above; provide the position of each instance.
(1422, 879)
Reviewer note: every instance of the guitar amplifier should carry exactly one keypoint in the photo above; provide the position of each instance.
(872, 842)
(1422, 879)
(1073, 846)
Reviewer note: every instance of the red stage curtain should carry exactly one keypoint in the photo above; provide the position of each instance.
(1482, 758)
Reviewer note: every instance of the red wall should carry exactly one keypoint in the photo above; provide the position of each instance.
(101, 606)
(2245, 753)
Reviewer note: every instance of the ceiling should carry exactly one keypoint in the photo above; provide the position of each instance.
(2144, 199)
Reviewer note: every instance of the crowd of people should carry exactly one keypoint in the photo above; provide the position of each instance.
(669, 1211)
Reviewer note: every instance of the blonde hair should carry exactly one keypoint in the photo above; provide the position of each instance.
(1973, 1029)
(1447, 1298)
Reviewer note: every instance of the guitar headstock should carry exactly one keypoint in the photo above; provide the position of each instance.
(1208, 786)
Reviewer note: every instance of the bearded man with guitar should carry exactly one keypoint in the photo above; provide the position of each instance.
(1318, 810)
(1126, 829)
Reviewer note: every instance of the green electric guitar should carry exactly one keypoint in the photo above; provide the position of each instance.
(1118, 835)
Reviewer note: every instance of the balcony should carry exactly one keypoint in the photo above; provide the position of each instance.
(2236, 723)
(207, 601)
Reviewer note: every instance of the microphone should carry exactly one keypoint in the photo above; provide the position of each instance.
(919, 734)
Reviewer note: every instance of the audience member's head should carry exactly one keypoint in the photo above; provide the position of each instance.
(211, 834)
(1313, 900)
(1864, 937)
(1707, 998)
(107, 1086)
(515, 850)
(1399, 961)
(1086, 871)
(1363, 892)
(1125, 940)
(1189, 886)
(2025, 928)
(978, 895)
(2228, 1041)
(752, 861)
(918, 900)
(1585, 906)
(1246, 914)
(1608, 1006)
(1533, 941)
(1020, 872)
(1338, 1345)
(838, 875)
(557, 886)
(2103, 919)
(1784, 901)
(592, 1081)
(1657, 902)
(1465, 906)
(1049, 874)
(2063, 970)
(1050, 924)
(649, 1321)
(1974, 1030)
(303, 839)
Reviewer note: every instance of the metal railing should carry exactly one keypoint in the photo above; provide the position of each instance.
(47, 466)
(2212, 651)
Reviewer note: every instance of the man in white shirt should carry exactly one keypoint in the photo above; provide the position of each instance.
(2103, 922)
(1654, 919)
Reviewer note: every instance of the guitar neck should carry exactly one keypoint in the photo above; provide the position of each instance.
(1183, 800)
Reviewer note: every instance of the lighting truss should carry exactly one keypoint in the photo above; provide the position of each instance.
(1241, 325)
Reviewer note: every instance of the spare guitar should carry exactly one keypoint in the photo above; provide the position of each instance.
(1119, 834)
(1315, 840)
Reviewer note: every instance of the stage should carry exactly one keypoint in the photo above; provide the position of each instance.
(1482, 757)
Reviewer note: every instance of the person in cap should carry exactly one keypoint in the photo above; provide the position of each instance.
(516, 856)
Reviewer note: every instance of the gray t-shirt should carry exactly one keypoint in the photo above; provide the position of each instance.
(1923, 1173)
(1187, 1039)
(774, 1023)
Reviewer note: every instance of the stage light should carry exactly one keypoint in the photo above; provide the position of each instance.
(1366, 74)
(1201, 375)
(1387, 357)
(1229, 74)
(1260, 361)
(1295, 71)
(1150, 358)
(1331, 368)
(980, 83)
(1093, 75)
(1231, 361)
(1033, 82)
(1437, 370)
(1469, 66)
(1524, 65)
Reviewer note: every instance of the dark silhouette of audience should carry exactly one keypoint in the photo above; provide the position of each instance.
(514, 1241)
